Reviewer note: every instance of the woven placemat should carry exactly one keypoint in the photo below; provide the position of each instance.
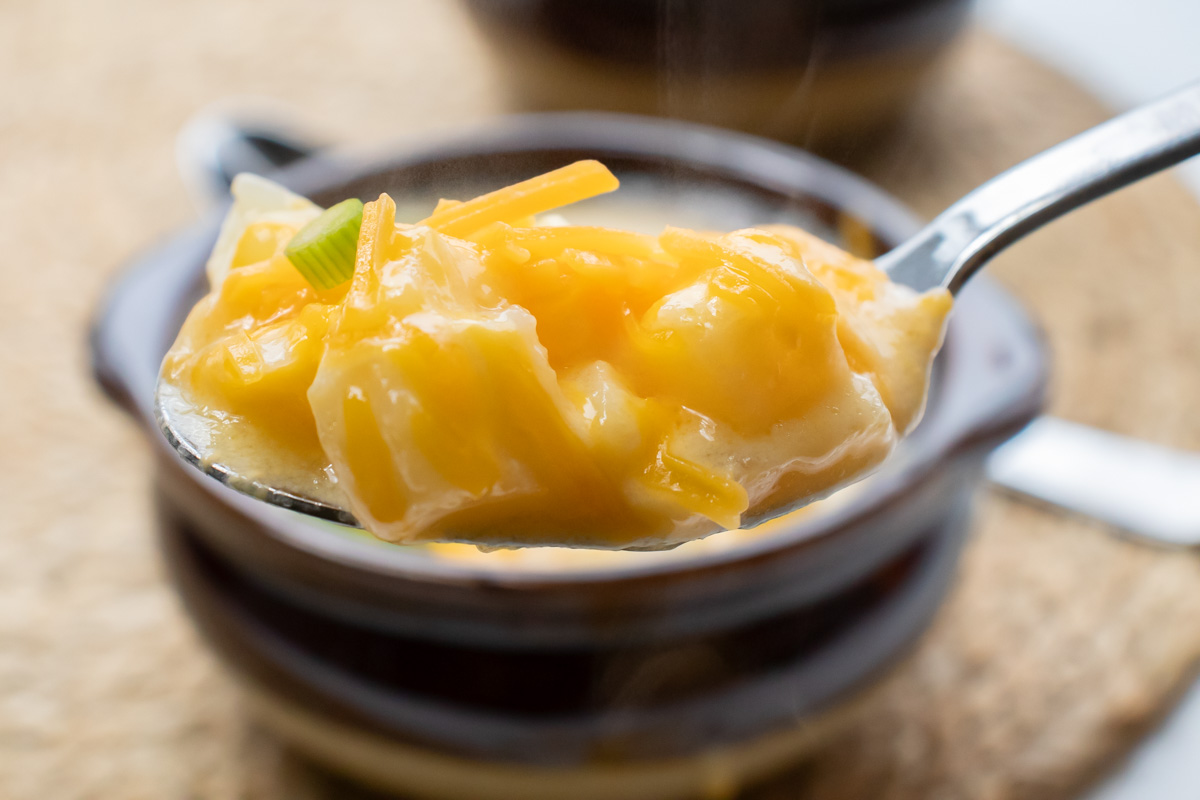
(1060, 646)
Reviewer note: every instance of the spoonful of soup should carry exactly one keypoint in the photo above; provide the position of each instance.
(494, 376)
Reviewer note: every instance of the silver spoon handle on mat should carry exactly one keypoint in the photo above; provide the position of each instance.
(1099, 161)
(1147, 490)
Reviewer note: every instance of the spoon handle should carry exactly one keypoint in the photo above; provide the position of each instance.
(1112, 155)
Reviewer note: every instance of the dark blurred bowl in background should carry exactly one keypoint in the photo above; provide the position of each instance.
(804, 71)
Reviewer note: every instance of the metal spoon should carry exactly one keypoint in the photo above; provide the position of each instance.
(964, 237)
(945, 253)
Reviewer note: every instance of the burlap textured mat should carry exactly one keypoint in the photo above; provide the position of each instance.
(1059, 648)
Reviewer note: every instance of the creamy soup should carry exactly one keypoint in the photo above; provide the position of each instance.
(493, 375)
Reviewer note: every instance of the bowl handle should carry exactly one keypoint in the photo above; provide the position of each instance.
(1145, 489)
(126, 348)
(213, 147)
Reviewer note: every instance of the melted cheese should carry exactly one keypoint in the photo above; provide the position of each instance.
(488, 380)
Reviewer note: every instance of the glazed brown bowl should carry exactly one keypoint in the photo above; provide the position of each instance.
(663, 675)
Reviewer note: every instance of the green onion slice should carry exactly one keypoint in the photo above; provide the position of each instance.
(323, 250)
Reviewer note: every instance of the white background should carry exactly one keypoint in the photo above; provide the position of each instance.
(1125, 51)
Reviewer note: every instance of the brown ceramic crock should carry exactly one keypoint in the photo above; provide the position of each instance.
(800, 70)
(655, 678)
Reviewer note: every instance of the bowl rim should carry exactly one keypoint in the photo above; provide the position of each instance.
(771, 167)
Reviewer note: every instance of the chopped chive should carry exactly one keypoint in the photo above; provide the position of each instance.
(323, 250)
